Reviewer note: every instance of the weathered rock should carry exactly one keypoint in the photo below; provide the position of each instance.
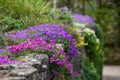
(23, 72)
(6, 67)
(13, 78)
(35, 67)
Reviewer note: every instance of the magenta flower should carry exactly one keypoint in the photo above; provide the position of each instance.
(55, 73)
(33, 44)
(5, 60)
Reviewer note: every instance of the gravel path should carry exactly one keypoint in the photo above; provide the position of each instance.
(111, 73)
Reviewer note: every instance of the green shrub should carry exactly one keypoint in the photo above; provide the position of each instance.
(94, 51)
(89, 71)
(99, 34)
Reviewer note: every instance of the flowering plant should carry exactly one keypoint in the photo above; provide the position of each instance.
(82, 20)
(57, 55)
(48, 32)
(65, 18)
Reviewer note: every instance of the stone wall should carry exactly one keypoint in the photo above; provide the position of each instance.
(34, 69)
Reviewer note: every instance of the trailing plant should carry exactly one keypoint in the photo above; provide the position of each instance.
(5, 60)
(57, 55)
(48, 32)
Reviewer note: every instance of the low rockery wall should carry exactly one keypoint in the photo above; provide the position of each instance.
(33, 69)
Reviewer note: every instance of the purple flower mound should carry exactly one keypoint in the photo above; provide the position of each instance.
(83, 19)
(48, 32)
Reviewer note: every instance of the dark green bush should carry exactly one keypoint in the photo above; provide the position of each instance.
(94, 52)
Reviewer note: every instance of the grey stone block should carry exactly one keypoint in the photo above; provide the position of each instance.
(13, 78)
(6, 67)
(35, 68)
(23, 72)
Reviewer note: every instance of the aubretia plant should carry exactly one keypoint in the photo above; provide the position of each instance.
(32, 45)
(48, 32)
(57, 55)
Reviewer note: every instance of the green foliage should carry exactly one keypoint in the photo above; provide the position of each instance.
(94, 52)
(89, 70)
(57, 16)
(29, 11)
(78, 37)
(1, 41)
(8, 24)
(99, 34)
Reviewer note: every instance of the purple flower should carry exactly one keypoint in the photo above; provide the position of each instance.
(55, 73)
(64, 9)
(78, 18)
(3, 50)
(5, 60)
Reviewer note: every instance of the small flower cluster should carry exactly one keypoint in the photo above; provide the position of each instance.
(49, 32)
(32, 44)
(61, 59)
(83, 19)
(5, 60)
(89, 32)
(2, 51)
